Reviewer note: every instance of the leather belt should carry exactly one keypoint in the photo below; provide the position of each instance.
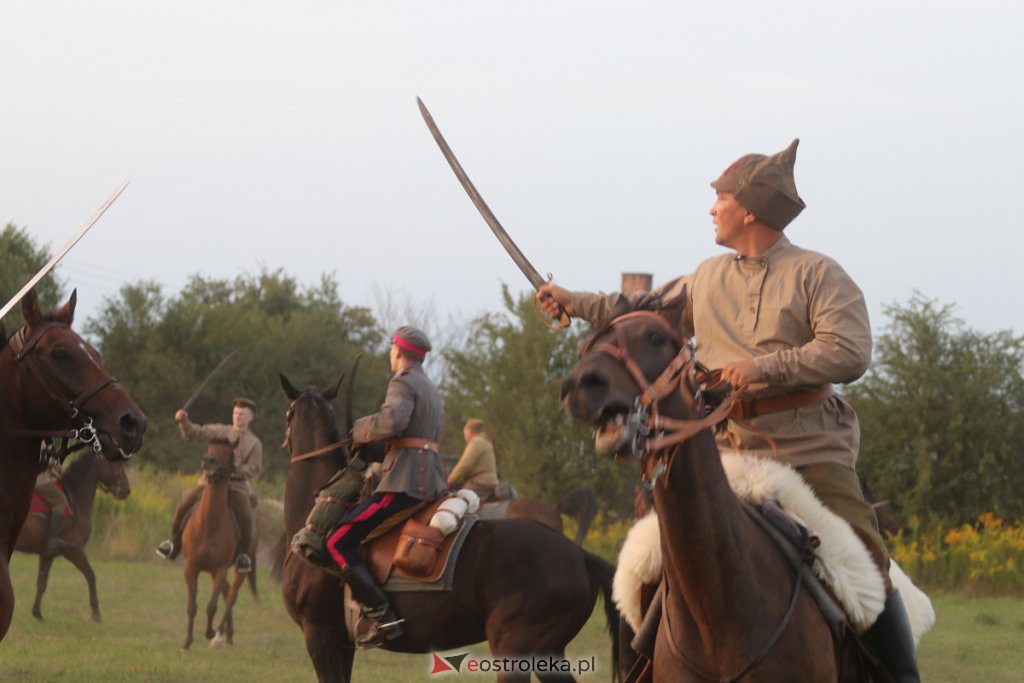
(751, 408)
(412, 442)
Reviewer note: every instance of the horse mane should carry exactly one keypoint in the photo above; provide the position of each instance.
(3, 337)
(620, 305)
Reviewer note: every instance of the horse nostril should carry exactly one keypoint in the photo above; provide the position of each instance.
(594, 382)
(131, 425)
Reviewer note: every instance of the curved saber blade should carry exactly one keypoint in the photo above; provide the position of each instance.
(60, 254)
(202, 385)
(492, 221)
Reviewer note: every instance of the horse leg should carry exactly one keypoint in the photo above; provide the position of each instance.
(227, 623)
(331, 653)
(42, 578)
(192, 584)
(220, 584)
(77, 557)
(6, 595)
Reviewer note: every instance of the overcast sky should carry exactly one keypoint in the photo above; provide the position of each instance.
(286, 135)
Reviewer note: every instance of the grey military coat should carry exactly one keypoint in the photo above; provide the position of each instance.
(412, 409)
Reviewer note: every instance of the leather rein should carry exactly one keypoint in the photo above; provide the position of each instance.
(653, 434)
(86, 433)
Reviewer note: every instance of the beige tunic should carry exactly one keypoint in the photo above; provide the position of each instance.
(477, 468)
(248, 452)
(802, 319)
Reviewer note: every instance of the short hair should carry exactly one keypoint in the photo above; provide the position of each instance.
(474, 426)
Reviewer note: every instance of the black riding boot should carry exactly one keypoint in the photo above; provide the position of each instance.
(375, 606)
(54, 525)
(892, 642)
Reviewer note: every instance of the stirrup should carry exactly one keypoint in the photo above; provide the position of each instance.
(165, 549)
(381, 633)
(243, 564)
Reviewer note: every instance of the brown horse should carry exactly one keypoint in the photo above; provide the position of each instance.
(733, 606)
(52, 386)
(209, 541)
(80, 480)
(523, 588)
(580, 504)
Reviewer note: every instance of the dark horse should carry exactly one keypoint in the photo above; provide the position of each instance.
(579, 503)
(521, 587)
(208, 544)
(730, 609)
(52, 386)
(80, 480)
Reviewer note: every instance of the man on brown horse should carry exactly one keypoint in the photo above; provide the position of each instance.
(477, 469)
(46, 486)
(783, 324)
(248, 461)
(410, 422)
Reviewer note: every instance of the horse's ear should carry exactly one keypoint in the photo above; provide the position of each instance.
(30, 308)
(332, 391)
(289, 390)
(66, 313)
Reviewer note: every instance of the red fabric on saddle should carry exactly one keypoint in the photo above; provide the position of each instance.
(39, 505)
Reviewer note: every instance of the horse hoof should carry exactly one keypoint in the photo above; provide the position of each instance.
(96, 617)
(37, 614)
(217, 641)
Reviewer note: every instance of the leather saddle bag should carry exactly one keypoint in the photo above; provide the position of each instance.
(418, 547)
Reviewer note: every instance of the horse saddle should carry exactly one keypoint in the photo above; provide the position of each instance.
(425, 562)
(41, 507)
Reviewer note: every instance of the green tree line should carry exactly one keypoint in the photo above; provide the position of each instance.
(940, 408)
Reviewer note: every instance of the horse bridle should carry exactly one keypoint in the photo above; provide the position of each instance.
(86, 433)
(656, 435)
(652, 434)
(308, 455)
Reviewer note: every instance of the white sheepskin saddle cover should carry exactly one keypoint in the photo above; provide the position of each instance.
(841, 561)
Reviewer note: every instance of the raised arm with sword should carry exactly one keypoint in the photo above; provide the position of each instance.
(517, 256)
(64, 250)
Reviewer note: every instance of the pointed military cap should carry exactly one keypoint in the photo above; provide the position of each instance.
(411, 339)
(765, 186)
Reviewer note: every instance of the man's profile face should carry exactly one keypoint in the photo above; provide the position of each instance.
(241, 417)
(394, 357)
(728, 216)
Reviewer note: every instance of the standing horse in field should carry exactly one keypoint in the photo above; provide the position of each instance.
(523, 588)
(80, 480)
(209, 541)
(53, 386)
(733, 606)
(580, 504)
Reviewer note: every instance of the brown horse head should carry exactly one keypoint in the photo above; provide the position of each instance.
(621, 376)
(112, 477)
(64, 385)
(219, 461)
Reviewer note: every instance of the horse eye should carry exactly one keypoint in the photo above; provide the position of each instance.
(60, 354)
(656, 338)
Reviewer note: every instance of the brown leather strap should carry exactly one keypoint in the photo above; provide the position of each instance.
(412, 442)
(746, 410)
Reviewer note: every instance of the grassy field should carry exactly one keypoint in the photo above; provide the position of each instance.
(144, 625)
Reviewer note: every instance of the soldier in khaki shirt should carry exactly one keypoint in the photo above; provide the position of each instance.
(782, 324)
(248, 461)
(477, 469)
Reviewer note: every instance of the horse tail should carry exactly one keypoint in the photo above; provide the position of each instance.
(602, 572)
(252, 582)
(581, 505)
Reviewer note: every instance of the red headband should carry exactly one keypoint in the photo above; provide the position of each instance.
(408, 346)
